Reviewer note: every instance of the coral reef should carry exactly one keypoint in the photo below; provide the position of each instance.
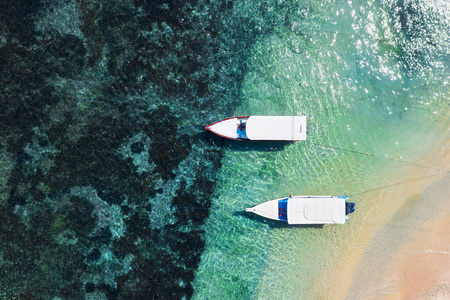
(107, 175)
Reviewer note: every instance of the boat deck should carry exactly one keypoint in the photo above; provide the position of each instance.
(304, 209)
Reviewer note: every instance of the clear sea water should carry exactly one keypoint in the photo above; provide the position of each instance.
(110, 188)
(370, 80)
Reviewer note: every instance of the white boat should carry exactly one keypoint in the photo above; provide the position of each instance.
(306, 209)
(261, 128)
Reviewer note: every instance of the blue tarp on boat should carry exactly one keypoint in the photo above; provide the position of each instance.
(349, 207)
(282, 209)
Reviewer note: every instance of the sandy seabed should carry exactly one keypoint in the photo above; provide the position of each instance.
(406, 254)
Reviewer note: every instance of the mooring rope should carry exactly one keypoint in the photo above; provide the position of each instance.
(378, 156)
(391, 185)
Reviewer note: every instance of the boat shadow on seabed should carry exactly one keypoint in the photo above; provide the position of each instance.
(245, 145)
(273, 223)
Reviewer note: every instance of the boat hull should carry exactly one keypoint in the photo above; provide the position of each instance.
(261, 128)
(305, 209)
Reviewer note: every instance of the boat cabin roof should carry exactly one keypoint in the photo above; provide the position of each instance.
(289, 128)
(316, 210)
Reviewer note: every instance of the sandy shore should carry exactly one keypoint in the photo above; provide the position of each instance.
(421, 266)
(405, 255)
(424, 272)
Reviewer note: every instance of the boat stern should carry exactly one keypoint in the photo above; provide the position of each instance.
(349, 207)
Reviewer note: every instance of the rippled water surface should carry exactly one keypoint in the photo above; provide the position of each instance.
(373, 80)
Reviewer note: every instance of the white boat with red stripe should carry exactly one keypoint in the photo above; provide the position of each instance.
(261, 128)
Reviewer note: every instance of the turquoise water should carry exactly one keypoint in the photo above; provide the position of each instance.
(373, 79)
(110, 188)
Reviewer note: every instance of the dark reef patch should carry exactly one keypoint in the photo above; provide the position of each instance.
(111, 176)
(193, 202)
(67, 54)
(137, 147)
(15, 18)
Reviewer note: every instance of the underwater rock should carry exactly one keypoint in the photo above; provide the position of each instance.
(66, 54)
(137, 147)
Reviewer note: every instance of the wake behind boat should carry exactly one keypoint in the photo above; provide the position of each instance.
(306, 209)
(261, 128)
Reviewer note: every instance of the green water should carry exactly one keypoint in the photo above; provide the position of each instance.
(364, 87)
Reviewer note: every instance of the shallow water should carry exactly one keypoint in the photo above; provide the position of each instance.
(374, 111)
